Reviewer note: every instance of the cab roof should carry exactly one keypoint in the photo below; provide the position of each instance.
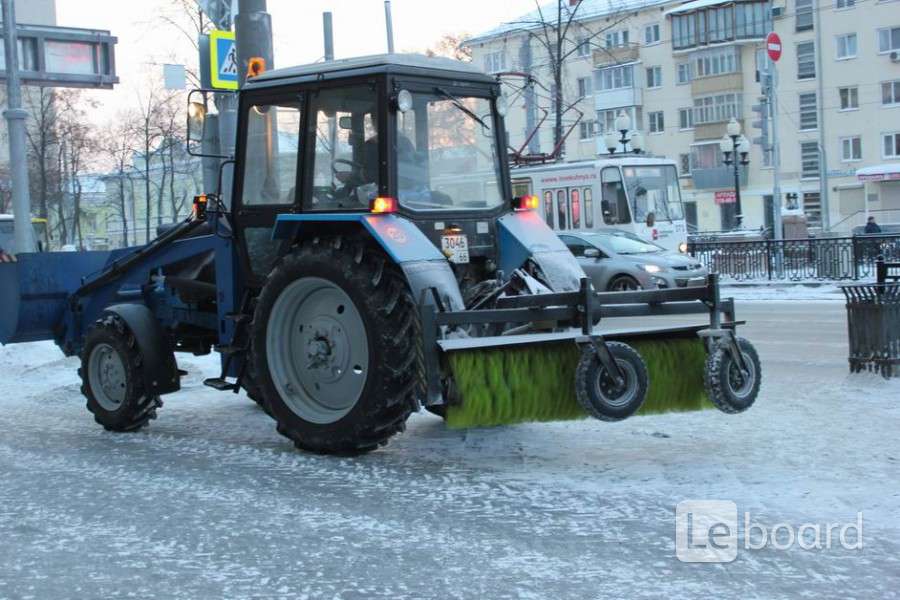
(400, 64)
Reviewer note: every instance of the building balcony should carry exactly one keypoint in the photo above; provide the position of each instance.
(630, 96)
(717, 178)
(605, 57)
(705, 86)
(713, 131)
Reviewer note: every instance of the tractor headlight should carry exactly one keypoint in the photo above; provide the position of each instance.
(404, 101)
(682, 247)
(652, 268)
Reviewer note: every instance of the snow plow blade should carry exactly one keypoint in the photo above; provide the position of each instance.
(34, 291)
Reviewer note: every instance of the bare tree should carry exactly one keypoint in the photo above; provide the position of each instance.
(450, 45)
(117, 147)
(78, 144)
(561, 33)
(42, 146)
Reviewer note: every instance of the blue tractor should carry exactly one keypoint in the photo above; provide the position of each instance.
(370, 234)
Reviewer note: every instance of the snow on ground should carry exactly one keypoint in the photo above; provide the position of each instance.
(209, 502)
(777, 291)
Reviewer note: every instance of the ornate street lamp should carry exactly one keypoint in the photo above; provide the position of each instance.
(734, 145)
(622, 124)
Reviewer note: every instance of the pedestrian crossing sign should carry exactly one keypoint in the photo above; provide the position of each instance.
(223, 60)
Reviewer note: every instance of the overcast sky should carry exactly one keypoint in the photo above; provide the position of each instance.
(145, 41)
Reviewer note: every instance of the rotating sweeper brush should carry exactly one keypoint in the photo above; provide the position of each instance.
(613, 375)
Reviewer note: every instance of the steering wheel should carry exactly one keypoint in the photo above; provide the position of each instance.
(345, 176)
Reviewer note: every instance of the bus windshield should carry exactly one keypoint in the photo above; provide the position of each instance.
(654, 189)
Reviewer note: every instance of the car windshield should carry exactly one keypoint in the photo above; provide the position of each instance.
(447, 155)
(624, 243)
(654, 189)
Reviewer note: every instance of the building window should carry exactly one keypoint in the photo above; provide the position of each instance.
(812, 206)
(614, 78)
(584, 87)
(717, 62)
(606, 119)
(583, 46)
(685, 118)
(846, 46)
(888, 39)
(654, 77)
(851, 149)
(809, 114)
(890, 145)
(803, 15)
(715, 24)
(806, 60)
(809, 160)
(706, 156)
(651, 34)
(656, 122)
(683, 71)
(849, 98)
(617, 39)
(890, 93)
(717, 109)
(586, 130)
(839, 4)
(494, 62)
(684, 164)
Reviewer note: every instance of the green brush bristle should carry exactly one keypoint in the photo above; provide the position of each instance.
(537, 383)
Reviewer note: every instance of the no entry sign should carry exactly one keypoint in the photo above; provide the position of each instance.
(773, 46)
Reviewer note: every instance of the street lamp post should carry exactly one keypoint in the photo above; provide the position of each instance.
(623, 125)
(731, 145)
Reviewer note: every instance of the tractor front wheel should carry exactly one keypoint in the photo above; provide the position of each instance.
(336, 347)
(112, 377)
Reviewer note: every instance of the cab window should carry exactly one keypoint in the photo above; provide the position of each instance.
(270, 164)
(614, 202)
(346, 163)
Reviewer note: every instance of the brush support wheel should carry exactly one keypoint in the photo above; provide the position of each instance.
(597, 390)
(729, 389)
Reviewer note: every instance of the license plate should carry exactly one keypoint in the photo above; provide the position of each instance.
(455, 248)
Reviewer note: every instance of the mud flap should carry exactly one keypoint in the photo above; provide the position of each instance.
(160, 369)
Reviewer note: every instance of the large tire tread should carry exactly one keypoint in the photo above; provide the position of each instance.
(395, 341)
(138, 409)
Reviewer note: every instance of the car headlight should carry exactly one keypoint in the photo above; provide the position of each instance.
(652, 268)
(682, 247)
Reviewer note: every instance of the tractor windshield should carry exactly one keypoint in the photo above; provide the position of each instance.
(447, 155)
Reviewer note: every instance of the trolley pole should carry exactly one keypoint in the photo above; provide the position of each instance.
(15, 119)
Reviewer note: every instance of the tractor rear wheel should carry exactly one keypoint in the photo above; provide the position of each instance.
(336, 347)
(112, 377)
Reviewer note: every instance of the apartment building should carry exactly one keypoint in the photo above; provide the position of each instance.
(682, 70)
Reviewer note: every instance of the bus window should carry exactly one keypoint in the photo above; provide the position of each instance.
(561, 209)
(614, 202)
(548, 208)
(521, 187)
(575, 204)
(588, 208)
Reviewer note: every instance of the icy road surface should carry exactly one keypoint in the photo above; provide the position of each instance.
(209, 502)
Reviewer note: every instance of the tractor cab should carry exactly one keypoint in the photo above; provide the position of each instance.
(417, 136)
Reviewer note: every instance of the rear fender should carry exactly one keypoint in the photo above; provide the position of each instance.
(159, 367)
(422, 263)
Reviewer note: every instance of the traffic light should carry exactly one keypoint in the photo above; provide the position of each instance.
(761, 122)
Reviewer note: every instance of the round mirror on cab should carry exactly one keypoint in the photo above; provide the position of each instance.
(502, 105)
(404, 101)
